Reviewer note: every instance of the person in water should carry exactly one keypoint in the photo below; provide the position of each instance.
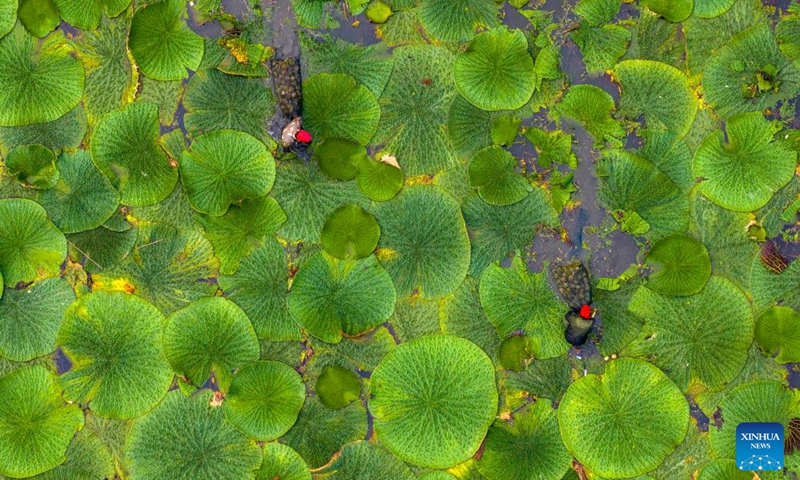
(293, 132)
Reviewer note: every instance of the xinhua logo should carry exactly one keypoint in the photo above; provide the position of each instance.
(759, 446)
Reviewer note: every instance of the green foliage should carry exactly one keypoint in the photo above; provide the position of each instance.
(350, 233)
(282, 462)
(39, 17)
(33, 165)
(778, 330)
(30, 245)
(591, 108)
(492, 171)
(674, 11)
(340, 159)
(456, 20)
(680, 266)
(336, 106)
(601, 46)
(379, 181)
(337, 387)
(87, 14)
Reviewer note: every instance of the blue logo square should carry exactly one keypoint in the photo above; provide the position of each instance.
(759, 446)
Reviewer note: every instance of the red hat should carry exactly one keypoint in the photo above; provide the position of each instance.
(586, 312)
(303, 136)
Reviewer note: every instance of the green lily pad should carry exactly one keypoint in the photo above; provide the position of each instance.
(711, 8)
(552, 147)
(39, 80)
(211, 448)
(162, 44)
(33, 165)
(456, 20)
(66, 132)
(365, 461)
(8, 15)
(504, 130)
(743, 167)
(337, 387)
(433, 399)
(778, 330)
(492, 171)
(113, 340)
(260, 288)
(658, 91)
(331, 296)
(338, 158)
(633, 406)
(350, 233)
(86, 14)
(723, 470)
(515, 299)
(281, 461)
(39, 17)
(424, 244)
(265, 399)
(461, 314)
(379, 181)
(591, 107)
(30, 318)
(680, 266)
(749, 73)
(87, 459)
(224, 167)
(378, 12)
(336, 106)
(681, 336)
(211, 335)
(36, 426)
(514, 352)
(83, 198)
(496, 72)
(597, 12)
(30, 245)
(528, 447)
(672, 10)
(125, 148)
(601, 46)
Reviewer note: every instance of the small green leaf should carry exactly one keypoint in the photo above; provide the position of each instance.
(778, 330)
(504, 130)
(33, 165)
(492, 171)
(350, 233)
(337, 387)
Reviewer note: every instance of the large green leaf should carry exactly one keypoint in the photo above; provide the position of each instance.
(365, 461)
(433, 399)
(30, 245)
(601, 46)
(39, 80)
(113, 341)
(496, 72)
(424, 244)
(209, 449)
(493, 172)
(87, 459)
(30, 318)
(211, 335)
(680, 265)
(723, 470)
(87, 14)
(225, 167)
(672, 10)
(591, 107)
(265, 399)
(681, 335)
(597, 12)
(83, 198)
(515, 299)
(336, 106)
(162, 44)
(330, 297)
(743, 167)
(125, 148)
(632, 407)
(39, 17)
(282, 462)
(456, 20)
(350, 233)
(36, 426)
(778, 330)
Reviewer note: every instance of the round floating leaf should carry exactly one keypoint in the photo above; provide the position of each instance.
(703, 337)
(778, 330)
(83, 198)
(8, 15)
(35, 425)
(433, 399)
(86, 14)
(350, 233)
(514, 352)
(337, 387)
(749, 73)
(331, 296)
(601, 46)
(633, 407)
(743, 167)
(680, 265)
(493, 172)
(515, 299)
(456, 20)
(282, 462)
(265, 399)
(66, 132)
(30, 246)
(672, 10)
(335, 106)
(125, 148)
(527, 448)
(224, 167)
(161, 42)
(339, 158)
(365, 461)
(591, 107)
(39, 80)
(30, 318)
(759, 401)
(379, 181)
(424, 244)
(496, 72)
(658, 91)
(39, 17)
(723, 469)
(87, 459)
(260, 288)
(209, 447)
(34, 165)
(113, 341)
(210, 335)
